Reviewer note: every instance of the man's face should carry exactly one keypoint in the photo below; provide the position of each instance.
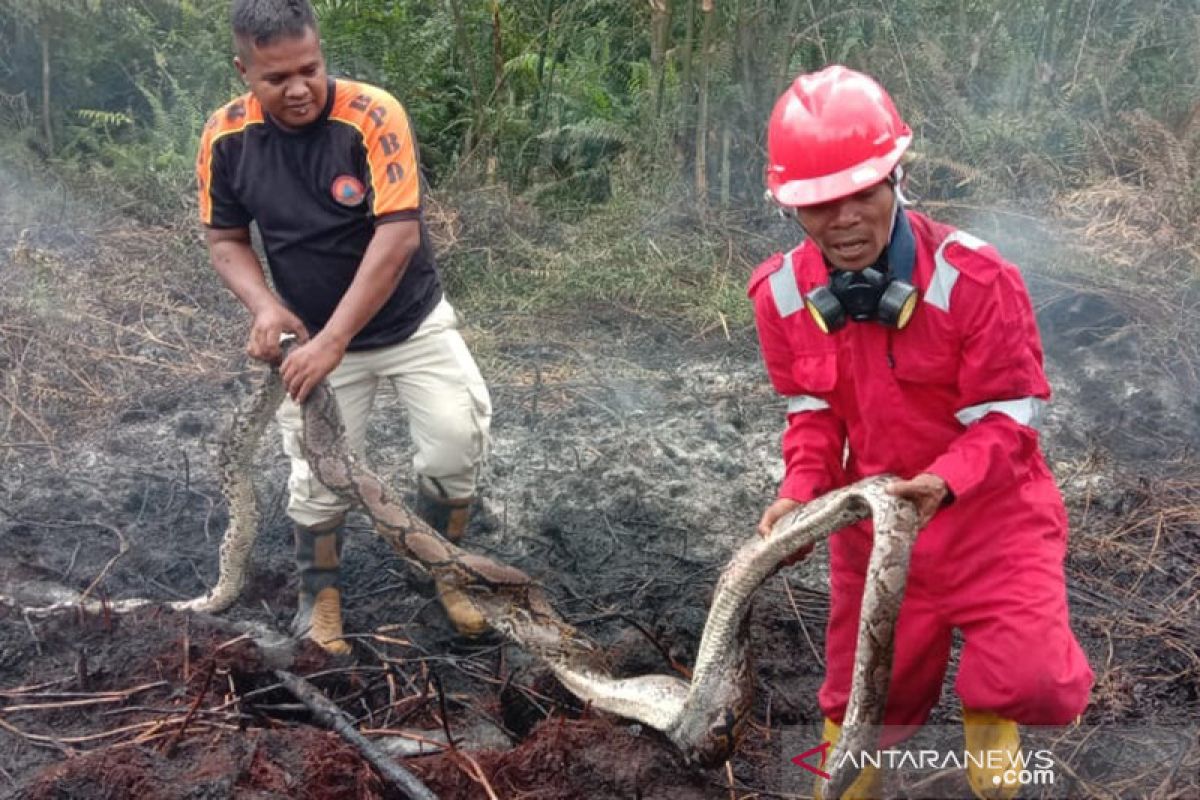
(851, 231)
(287, 76)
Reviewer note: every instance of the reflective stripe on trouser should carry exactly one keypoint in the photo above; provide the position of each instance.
(438, 384)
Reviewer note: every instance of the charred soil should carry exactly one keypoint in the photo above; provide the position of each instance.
(629, 459)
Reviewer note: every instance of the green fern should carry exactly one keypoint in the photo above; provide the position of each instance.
(104, 120)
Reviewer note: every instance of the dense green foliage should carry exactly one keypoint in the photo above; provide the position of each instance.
(546, 95)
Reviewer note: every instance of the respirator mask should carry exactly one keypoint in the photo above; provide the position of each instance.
(882, 292)
(870, 294)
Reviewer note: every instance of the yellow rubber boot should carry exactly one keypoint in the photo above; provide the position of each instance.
(993, 745)
(449, 517)
(465, 618)
(869, 783)
(318, 564)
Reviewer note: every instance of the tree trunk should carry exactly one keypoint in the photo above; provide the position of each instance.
(1045, 65)
(660, 31)
(745, 56)
(464, 51)
(543, 51)
(726, 139)
(546, 95)
(685, 71)
(497, 48)
(492, 170)
(47, 124)
(544, 113)
(701, 166)
(816, 21)
(788, 46)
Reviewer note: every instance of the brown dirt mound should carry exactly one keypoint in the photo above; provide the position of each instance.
(292, 762)
(565, 759)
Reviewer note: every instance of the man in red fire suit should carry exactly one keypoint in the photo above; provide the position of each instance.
(905, 346)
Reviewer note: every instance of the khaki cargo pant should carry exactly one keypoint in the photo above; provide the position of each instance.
(439, 385)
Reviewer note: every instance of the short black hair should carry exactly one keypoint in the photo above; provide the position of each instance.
(264, 21)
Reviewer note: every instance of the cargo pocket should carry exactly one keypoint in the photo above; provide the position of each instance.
(481, 400)
(816, 373)
(301, 483)
(481, 408)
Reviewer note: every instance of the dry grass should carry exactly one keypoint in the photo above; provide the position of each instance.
(1137, 240)
(89, 328)
(97, 313)
(1134, 577)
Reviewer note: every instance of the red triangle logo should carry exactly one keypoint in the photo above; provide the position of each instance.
(801, 760)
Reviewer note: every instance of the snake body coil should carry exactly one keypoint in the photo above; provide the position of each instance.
(703, 718)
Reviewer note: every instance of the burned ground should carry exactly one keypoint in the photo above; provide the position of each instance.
(630, 456)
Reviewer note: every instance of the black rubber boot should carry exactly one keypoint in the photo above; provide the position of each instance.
(446, 515)
(318, 567)
(449, 517)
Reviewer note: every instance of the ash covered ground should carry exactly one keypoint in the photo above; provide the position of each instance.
(629, 459)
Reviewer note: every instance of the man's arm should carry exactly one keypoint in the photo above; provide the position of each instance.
(814, 437)
(1002, 389)
(240, 270)
(383, 265)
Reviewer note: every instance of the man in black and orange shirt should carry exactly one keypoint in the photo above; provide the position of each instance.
(328, 170)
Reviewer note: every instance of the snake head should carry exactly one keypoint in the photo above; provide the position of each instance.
(721, 739)
(713, 719)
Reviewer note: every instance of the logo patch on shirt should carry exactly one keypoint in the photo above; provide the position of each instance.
(348, 190)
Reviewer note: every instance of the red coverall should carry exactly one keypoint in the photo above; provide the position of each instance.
(956, 393)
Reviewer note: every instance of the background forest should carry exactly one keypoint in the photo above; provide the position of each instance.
(574, 103)
(597, 207)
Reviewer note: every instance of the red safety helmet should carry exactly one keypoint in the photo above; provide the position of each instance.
(831, 134)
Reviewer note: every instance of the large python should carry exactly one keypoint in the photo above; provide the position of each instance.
(703, 718)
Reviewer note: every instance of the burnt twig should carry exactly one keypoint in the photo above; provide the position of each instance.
(332, 717)
(174, 740)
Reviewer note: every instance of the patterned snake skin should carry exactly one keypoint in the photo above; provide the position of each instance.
(236, 455)
(703, 718)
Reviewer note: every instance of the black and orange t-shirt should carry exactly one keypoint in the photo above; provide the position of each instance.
(317, 194)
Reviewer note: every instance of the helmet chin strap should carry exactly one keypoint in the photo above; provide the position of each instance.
(899, 200)
(896, 179)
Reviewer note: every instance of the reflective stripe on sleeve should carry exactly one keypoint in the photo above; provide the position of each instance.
(1026, 411)
(805, 402)
(944, 273)
(784, 288)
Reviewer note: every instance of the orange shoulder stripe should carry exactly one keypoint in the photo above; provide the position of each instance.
(233, 117)
(391, 150)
